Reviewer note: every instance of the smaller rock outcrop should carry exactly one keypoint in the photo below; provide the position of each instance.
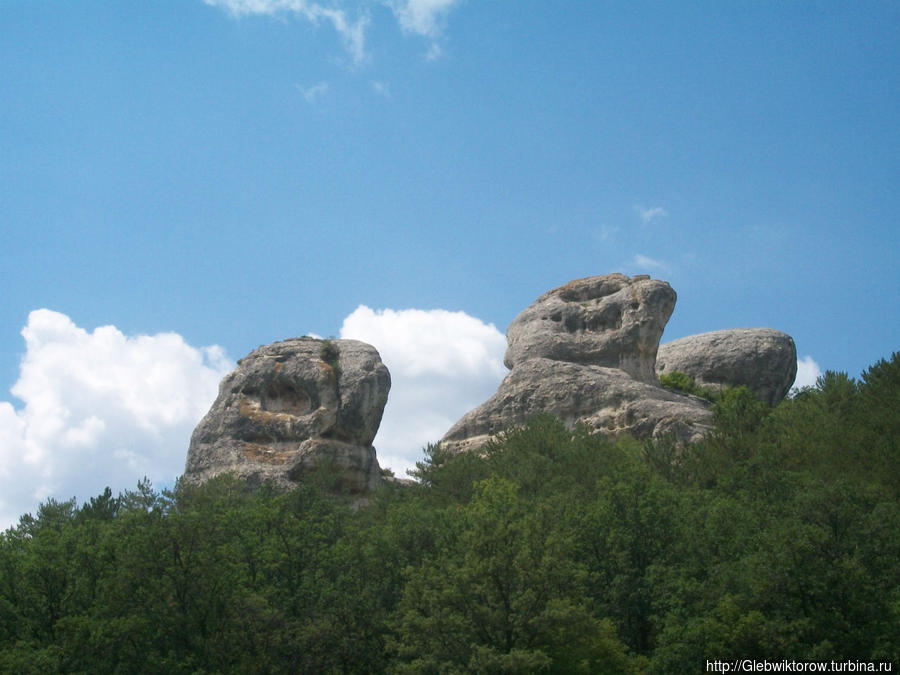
(292, 406)
(762, 359)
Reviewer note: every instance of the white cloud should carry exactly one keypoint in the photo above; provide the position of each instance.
(435, 51)
(352, 33)
(808, 372)
(647, 215)
(647, 263)
(606, 232)
(100, 409)
(422, 17)
(313, 93)
(382, 89)
(442, 365)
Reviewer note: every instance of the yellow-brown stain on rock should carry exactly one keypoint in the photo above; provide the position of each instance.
(248, 409)
(265, 455)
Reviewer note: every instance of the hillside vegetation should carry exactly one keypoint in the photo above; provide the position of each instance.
(555, 551)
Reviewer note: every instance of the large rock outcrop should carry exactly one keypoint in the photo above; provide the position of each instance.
(292, 406)
(585, 352)
(762, 359)
(610, 321)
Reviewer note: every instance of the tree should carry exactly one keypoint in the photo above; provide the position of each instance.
(504, 598)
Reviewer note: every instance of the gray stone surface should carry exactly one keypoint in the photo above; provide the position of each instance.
(608, 400)
(289, 408)
(611, 320)
(762, 359)
(585, 352)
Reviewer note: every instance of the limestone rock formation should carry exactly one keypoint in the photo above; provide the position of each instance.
(292, 406)
(609, 320)
(607, 400)
(585, 352)
(762, 359)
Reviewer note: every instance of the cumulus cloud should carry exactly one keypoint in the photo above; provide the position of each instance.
(808, 372)
(649, 214)
(100, 409)
(442, 365)
(352, 32)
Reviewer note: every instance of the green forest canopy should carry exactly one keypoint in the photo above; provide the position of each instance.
(554, 551)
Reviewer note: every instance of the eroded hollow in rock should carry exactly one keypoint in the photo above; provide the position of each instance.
(595, 321)
(282, 397)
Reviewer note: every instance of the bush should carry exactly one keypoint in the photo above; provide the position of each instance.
(685, 384)
(331, 355)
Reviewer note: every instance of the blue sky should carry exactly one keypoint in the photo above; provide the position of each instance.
(236, 172)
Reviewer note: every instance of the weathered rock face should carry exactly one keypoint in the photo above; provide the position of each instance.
(762, 359)
(585, 352)
(292, 406)
(609, 320)
(607, 400)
